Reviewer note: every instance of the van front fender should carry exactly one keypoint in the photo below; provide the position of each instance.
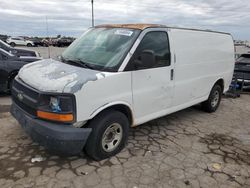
(113, 104)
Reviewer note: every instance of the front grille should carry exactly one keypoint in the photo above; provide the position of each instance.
(26, 108)
(25, 97)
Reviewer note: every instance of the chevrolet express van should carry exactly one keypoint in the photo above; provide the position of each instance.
(119, 76)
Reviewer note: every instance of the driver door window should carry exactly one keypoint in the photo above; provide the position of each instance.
(158, 43)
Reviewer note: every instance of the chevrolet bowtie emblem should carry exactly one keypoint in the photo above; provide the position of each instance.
(20, 96)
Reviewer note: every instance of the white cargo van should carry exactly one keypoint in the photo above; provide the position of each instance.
(119, 76)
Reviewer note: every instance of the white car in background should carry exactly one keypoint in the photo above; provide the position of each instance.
(248, 44)
(19, 41)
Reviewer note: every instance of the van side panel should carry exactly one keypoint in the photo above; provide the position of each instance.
(201, 59)
(109, 89)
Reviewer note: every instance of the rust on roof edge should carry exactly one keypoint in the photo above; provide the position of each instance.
(131, 26)
(145, 26)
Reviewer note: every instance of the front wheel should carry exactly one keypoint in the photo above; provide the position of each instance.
(213, 102)
(109, 134)
(29, 45)
(10, 83)
(12, 44)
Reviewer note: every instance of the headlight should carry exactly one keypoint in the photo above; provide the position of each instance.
(55, 104)
(13, 51)
(57, 108)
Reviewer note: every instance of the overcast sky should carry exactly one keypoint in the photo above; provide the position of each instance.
(72, 17)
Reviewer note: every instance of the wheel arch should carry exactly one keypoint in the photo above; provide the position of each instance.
(12, 43)
(11, 76)
(221, 83)
(123, 107)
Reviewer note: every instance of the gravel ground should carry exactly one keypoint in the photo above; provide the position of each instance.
(189, 148)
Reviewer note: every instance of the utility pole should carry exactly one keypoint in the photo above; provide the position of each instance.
(47, 33)
(93, 22)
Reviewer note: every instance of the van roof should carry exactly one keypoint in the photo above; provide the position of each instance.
(131, 26)
(142, 26)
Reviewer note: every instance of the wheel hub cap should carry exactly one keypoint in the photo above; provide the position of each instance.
(215, 99)
(112, 137)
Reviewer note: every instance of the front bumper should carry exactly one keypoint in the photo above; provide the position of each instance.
(57, 138)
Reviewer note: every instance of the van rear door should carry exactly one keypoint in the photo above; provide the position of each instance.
(152, 87)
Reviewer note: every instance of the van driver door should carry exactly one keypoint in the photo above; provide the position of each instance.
(152, 83)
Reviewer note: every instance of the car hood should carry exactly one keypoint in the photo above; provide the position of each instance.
(53, 76)
(29, 58)
(24, 52)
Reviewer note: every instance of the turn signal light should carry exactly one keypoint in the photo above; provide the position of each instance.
(55, 116)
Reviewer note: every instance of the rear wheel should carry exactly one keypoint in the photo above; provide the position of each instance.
(12, 44)
(29, 45)
(109, 134)
(213, 102)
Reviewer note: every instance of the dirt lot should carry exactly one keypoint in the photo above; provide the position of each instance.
(187, 149)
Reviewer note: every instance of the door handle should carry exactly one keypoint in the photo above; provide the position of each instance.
(172, 74)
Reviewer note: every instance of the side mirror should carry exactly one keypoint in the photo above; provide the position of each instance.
(147, 60)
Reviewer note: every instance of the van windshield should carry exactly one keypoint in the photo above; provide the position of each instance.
(101, 48)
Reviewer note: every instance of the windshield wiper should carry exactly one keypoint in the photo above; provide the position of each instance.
(84, 64)
(78, 62)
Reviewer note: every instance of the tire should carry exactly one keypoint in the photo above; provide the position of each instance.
(213, 102)
(12, 44)
(29, 45)
(10, 83)
(97, 147)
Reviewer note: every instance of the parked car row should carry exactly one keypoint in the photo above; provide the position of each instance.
(24, 41)
(39, 42)
(11, 60)
(18, 51)
(62, 42)
(19, 41)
